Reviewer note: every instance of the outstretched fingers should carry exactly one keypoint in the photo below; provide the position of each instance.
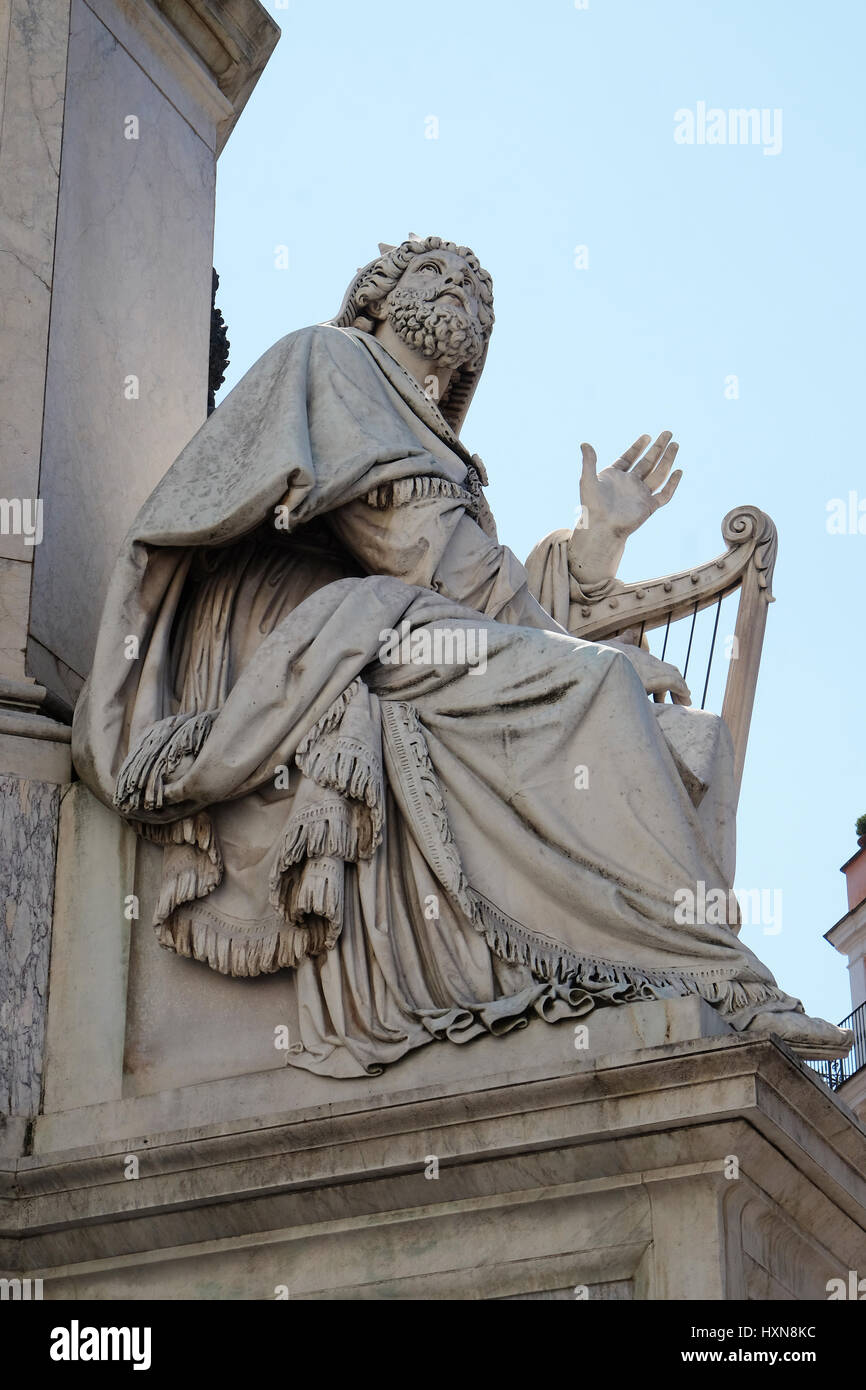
(660, 499)
(653, 455)
(634, 451)
(655, 476)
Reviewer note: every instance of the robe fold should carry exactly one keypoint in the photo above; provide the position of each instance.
(370, 753)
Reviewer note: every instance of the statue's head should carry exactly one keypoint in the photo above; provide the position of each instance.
(438, 299)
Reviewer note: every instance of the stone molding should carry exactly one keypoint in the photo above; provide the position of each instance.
(231, 39)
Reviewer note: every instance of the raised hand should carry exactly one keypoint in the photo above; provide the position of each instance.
(624, 495)
(617, 501)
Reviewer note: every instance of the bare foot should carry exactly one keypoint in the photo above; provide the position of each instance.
(813, 1038)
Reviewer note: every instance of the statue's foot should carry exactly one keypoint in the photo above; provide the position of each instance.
(812, 1038)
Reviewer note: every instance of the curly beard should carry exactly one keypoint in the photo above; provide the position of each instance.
(445, 333)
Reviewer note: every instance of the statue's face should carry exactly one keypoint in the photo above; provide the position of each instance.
(435, 308)
(445, 277)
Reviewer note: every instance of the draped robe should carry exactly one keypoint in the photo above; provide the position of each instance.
(409, 834)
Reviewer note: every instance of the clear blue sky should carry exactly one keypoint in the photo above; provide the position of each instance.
(556, 129)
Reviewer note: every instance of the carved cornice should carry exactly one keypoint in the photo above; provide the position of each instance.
(232, 38)
(849, 933)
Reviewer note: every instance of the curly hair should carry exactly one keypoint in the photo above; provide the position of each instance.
(379, 278)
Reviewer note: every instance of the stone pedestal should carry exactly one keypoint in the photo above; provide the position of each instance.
(709, 1167)
(646, 1152)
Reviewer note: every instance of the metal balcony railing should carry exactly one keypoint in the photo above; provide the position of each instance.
(837, 1072)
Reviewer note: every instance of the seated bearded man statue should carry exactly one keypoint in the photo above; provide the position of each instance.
(353, 717)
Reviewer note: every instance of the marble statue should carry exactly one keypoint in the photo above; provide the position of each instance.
(351, 717)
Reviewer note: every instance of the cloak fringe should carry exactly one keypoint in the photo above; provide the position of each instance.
(194, 875)
(551, 962)
(307, 881)
(330, 719)
(243, 955)
(315, 890)
(312, 888)
(404, 490)
(195, 830)
(334, 829)
(350, 769)
(141, 780)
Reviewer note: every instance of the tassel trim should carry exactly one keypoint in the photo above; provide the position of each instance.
(314, 888)
(196, 831)
(550, 961)
(335, 830)
(347, 766)
(405, 490)
(141, 780)
(425, 802)
(350, 769)
(307, 880)
(247, 951)
(330, 719)
(314, 891)
(187, 875)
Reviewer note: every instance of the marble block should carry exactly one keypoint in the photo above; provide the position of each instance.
(33, 39)
(127, 367)
(28, 832)
(95, 875)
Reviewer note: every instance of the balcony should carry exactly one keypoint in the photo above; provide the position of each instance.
(837, 1072)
